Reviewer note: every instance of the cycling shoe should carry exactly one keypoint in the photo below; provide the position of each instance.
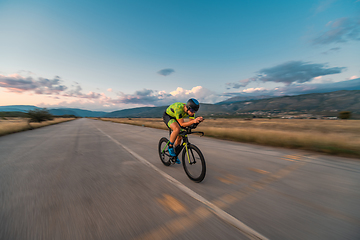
(177, 160)
(172, 152)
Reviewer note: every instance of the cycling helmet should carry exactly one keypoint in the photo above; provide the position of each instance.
(193, 105)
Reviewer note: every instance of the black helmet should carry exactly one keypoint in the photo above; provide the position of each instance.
(193, 105)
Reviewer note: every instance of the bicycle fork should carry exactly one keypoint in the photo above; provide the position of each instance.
(192, 154)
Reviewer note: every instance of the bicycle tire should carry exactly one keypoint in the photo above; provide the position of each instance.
(195, 173)
(164, 156)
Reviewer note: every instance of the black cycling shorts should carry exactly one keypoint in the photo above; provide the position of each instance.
(168, 120)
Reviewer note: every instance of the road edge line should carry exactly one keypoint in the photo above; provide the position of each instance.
(249, 232)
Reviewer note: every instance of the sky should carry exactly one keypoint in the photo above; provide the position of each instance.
(113, 55)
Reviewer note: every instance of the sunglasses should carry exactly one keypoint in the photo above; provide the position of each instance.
(192, 110)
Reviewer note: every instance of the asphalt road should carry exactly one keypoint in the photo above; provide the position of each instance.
(89, 179)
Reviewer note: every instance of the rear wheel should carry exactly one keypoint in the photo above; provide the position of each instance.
(164, 152)
(194, 163)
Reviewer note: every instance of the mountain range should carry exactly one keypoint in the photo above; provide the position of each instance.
(56, 111)
(345, 100)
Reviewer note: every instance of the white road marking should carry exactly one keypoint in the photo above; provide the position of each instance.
(249, 232)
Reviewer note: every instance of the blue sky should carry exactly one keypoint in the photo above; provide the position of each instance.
(111, 55)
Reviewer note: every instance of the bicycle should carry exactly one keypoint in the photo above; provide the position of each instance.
(194, 165)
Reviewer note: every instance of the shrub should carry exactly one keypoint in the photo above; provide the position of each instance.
(39, 115)
(344, 115)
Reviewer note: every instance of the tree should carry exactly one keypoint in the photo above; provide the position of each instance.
(344, 115)
(2, 115)
(39, 115)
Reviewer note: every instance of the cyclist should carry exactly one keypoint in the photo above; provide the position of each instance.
(174, 119)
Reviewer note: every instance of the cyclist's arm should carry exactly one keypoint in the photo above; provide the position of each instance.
(189, 123)
(185, 124)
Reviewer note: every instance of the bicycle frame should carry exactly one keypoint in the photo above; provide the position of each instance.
(185, 143)
(192, 152)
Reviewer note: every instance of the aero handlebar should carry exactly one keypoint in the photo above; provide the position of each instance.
(188, 129)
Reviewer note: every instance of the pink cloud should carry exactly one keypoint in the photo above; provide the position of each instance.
(19, 84)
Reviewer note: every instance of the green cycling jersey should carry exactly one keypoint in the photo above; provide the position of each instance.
(176, 111)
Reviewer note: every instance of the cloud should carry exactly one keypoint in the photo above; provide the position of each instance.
(252, 90)
(341, 30)
(353, 84)
(331, 50)
(50, 86)
(200, 93)
(81, 104)
(144, 92)
(142, 97)
(241, 83)
(166, 72)
(183, 92)
(19, 84)
(92, 95)
(297, 89)
(76, 92)
(149, 97)
(289, 73)
(295, 72)
(324, 5)
(26, 72)
(55, 90)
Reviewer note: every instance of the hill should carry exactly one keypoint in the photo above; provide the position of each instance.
(17, 108)
(57, 112)
(76, 112)
(138, 112)
(315, 103)
(243, 98)
(346, 100)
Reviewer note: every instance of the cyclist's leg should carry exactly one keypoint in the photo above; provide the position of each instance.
(175, 127)
(178, 141)
(172, 124)
(175, 130)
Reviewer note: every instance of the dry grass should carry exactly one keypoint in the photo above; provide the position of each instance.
(338, 137)
(146, 122)
(12, 125)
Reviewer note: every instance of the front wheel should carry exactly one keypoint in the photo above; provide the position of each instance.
(194, 163)
(164, 152)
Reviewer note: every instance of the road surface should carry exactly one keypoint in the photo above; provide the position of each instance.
(89, 179)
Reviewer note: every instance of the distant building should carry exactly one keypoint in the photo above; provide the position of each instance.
(329, 117)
